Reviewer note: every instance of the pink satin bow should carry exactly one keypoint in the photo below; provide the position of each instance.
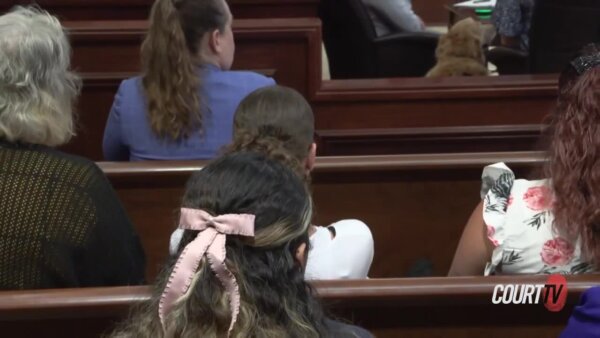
(210, 242)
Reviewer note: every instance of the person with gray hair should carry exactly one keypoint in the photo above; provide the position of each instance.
(61, 224)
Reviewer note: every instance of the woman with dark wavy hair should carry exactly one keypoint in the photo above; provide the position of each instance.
(182, 105)
(239, 269)
(553, 225)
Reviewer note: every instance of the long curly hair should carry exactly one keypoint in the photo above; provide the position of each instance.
(275, 299)
(169, 62)
(574, 157)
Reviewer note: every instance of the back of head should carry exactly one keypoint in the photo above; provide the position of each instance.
(464, 39)
(275, 301)
(272, 118)
(37, 91)
(574, 153)
(170, 57)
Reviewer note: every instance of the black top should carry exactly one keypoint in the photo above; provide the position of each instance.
(342, 330)
(61, 223)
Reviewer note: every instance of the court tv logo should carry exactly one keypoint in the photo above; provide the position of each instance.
(553, 294)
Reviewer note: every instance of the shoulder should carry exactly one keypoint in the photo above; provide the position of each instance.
(340, 251)
(130, 85)
(248, 79)
(340, 330)
(585, 320)
(73, 170)
(130, 90)
(352, 228)
(497, 179)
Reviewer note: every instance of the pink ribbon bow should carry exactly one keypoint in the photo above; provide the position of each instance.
(210, 241)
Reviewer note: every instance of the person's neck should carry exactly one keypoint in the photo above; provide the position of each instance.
(211, 60)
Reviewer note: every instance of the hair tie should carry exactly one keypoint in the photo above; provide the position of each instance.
(210, 242)
(584, 63)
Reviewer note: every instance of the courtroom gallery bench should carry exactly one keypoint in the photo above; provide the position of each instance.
(140, 9)
(290, 51)
(390, 308)
(424, 140)
(415, 205)
(373, 116)
(107, 52)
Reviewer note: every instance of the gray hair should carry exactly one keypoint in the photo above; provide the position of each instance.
(37, 90)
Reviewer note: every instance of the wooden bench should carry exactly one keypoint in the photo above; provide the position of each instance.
(108, 52)
(388, 141)
(112, 49)
(415, 205)
(427, 102)
(290, 50)
(496, 113)
(390, 308)
(140, 9)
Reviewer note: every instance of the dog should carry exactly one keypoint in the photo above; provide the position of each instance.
(460, 51)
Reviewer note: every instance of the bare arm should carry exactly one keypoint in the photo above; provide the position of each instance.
(474, 249)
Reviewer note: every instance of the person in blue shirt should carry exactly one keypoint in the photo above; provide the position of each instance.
(585, 320)
(512, 19)
(182, 105)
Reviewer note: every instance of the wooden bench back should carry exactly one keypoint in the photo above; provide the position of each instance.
(415, 205)
(420, 307)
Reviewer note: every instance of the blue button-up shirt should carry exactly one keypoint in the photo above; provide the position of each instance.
(128, 135)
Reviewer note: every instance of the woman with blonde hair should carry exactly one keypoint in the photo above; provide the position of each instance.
(238, 271)
(552, 225)
(182, 105)
(61, 224)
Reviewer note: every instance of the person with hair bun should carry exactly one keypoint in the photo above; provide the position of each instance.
(61, 223)
(182, 105)
(553, 225)
(277, 121)
(239, 270)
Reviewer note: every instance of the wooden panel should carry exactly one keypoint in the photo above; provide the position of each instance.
(140, 9)
(416, 308)
(415, 205)
(387, 141)
(266, 44)
(426, 102)
(382, 107)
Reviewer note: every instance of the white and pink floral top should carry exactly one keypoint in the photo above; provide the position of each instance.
(518, 217)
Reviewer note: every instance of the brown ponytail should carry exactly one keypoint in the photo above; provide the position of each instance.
(169, 51)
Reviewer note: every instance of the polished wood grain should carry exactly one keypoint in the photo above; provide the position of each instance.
(421, 201)
(426, 102)
(345, 142)
(140, 9)
(424, 307)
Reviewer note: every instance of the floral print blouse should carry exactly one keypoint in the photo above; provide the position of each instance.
(518, 217)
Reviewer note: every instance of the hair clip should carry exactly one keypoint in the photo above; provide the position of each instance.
(584, 63)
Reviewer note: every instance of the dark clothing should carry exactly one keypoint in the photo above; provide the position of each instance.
(61, 223)
(512, 18)
(342, 330)
(585, 320)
